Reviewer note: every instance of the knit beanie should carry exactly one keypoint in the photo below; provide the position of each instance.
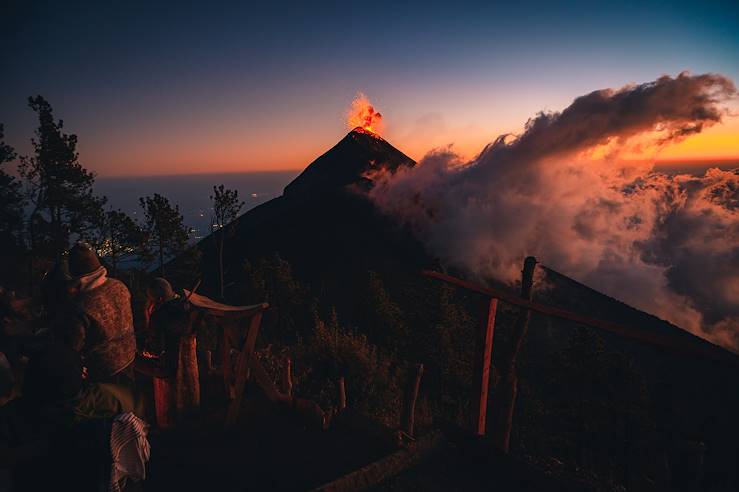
(82, 260)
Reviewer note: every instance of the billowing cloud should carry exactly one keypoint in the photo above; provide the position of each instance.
(563, 191)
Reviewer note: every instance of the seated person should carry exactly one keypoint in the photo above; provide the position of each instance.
(56, 388)
(103, 333)
(18, 443)
(72, 420)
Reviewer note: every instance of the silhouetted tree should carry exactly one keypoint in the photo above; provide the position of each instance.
(226, 207)
(59, 188)
(165, 231)
(185, 271)
(596, 402)
(443, 338)
(11, 198)
(333, 351)
(292, 307)
(118, 234)
(380, 317)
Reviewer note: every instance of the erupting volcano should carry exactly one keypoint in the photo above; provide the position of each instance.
(363, 116)
(361, 153)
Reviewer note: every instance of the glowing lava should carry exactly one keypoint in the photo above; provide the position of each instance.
(363, 115)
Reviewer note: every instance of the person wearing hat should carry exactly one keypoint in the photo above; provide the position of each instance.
(103, 331)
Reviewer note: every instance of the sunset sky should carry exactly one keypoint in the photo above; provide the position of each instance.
(230, 87)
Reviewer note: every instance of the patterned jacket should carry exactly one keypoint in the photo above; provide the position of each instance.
(109, 343)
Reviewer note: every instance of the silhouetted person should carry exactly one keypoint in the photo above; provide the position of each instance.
(57, 290)
(101, 327)
(171, 358)
(63, 453)
(72, 422)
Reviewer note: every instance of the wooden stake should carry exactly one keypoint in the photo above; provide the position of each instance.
(506, 389)
(408, 416)
(342, 393)
(197, 284)
(243, 369)
(481, 374)
(262, 379)
(287, 378)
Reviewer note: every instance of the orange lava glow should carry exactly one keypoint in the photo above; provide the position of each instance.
(362, 114)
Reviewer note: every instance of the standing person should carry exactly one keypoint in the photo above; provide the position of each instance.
(101, 327)
(158, 293)
(171, 358)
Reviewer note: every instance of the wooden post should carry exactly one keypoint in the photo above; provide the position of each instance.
(669, 341)
(287, 378)
(259, 375)
(242, 368)
(481, 370)
(229, 338)
(342, 393)
(408, 416)
(506, 389)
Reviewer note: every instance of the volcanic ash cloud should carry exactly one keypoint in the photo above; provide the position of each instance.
(565, 192)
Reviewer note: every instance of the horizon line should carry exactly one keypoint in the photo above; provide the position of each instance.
(702, 161)
(208, 173)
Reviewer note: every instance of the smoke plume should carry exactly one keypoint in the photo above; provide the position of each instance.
(362, 114)
(565, 191)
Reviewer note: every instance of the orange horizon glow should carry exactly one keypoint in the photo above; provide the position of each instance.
(720, 141)
(229, 152)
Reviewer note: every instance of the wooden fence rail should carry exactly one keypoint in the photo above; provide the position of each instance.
(682, 343)
(504, 397)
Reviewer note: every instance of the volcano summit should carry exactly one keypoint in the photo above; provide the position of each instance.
(360, 152)
(325, 226)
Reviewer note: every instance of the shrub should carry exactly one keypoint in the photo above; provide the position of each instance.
(370, 374)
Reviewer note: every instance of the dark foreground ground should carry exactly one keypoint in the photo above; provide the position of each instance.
(268, 450)
(468, 464)
(272, 450)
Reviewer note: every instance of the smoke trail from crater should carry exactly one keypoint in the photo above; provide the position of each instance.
(564, 191)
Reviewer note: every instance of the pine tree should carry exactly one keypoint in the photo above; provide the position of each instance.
(165, 231)
(59, 188)
(292, 307)
(11, 198)
(226, 207)
(443, 338)
(380, 316)
(117, 235)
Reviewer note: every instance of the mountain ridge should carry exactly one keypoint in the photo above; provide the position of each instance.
(328, 229)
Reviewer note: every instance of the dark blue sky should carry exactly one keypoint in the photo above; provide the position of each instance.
(157, 88)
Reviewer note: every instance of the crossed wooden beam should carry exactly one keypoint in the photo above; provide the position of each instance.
(246, 361)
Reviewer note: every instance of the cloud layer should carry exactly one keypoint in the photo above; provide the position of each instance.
(565, 192)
